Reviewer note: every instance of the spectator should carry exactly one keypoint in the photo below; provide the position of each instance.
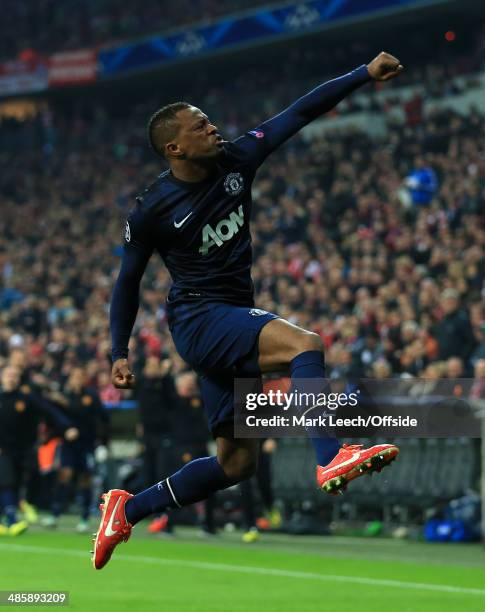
(422, 183)
(381, 369)
(453, 332)
(454, 368)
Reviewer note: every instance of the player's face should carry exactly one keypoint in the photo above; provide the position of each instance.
(198, 138)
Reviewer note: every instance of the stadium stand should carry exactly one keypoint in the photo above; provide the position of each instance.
(52, 26)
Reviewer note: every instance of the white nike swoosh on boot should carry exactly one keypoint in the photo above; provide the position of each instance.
(109, 527)
(354, 457)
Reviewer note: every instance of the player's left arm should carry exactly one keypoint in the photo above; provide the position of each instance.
(259, 143)
(125, 299)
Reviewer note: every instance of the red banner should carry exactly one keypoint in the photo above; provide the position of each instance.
(72, 67)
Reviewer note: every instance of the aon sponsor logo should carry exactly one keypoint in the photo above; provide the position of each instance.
(224, 231)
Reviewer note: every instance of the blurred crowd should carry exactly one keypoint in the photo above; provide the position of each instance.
(47, 26)
(344, 244)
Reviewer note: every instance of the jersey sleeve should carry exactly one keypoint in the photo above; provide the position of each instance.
(137, 231)
(125, 299)
(257, 144)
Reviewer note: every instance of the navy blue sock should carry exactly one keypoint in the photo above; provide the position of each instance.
(8, 502)
(192, 483)
(311, 364)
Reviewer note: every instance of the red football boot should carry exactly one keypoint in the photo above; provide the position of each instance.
(351, 462)
(113, 529)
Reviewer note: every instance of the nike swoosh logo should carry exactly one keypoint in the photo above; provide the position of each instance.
(354, 457)
(109, 527)
(177, 225)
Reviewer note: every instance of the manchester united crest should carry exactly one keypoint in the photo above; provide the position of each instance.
(234, 183)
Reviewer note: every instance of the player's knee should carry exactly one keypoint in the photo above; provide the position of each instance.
(308, 341)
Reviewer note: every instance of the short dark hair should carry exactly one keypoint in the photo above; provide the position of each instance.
(163, 126)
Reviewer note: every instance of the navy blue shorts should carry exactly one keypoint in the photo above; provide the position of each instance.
(77, 456)
(221, 343)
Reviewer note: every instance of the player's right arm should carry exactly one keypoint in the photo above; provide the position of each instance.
(125, 300)
(257, 144)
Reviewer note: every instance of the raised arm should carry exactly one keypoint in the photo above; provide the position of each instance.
(126, 296)
(260, 142)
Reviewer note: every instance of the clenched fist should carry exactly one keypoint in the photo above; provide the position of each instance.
(384, 67)
(121, 375)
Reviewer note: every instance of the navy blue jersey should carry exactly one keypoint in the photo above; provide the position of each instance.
(201, 230)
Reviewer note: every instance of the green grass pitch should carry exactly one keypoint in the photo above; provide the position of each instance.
(279, 573)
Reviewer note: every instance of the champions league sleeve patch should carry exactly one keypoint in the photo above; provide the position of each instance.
(257, 133)
(127, 232)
